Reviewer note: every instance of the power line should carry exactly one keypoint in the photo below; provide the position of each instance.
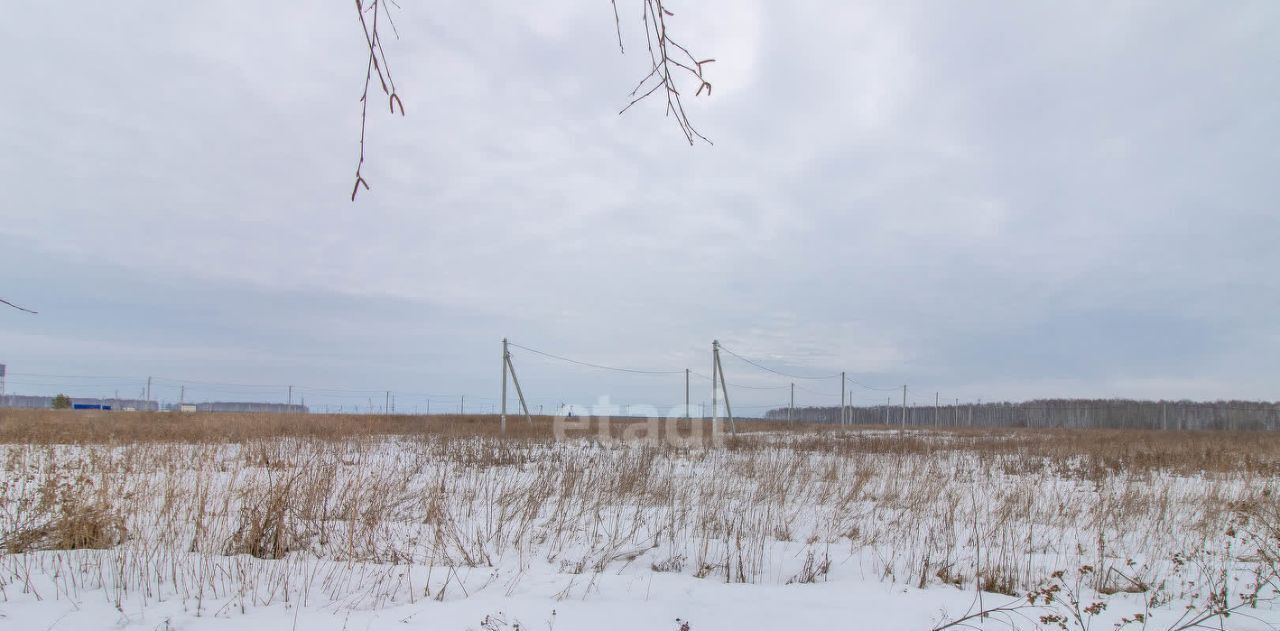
(863, 385)
(599, 366)
(815, 378)
(34, 374)
(824, 394)
(738, 385)
(218, 383)
(777, 371)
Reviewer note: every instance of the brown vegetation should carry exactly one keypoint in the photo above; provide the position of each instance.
(210, 496)
(1092, 452)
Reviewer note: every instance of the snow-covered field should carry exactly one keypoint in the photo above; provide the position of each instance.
(871, 530)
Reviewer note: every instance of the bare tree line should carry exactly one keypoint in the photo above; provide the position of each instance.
(1058, 413)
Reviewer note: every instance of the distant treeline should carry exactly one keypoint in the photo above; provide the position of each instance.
(1058, 413)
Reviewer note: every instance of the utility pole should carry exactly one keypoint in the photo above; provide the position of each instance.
(904, 408)
(182, 396)
(715, 368)
(935, 408)
(888, 402)
(503, 419)
(955, 414)
(148, 394)
(791, 411)
(291, 395)
(386, 403)
(508, 367)
(462, 404)
(843, 416)
(686, 394)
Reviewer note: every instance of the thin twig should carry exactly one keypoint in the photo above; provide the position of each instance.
(378, 65)
(617, 25)
(2, 300)
(1016, 605)
(668, 58)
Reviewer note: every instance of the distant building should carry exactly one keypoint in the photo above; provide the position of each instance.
(133, 405)
(43, 402)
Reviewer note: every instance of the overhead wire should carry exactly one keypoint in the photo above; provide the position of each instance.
(738, 385)
(877, 389)
(824, 394)
(599, 366)
(776, 372)
(217, 387)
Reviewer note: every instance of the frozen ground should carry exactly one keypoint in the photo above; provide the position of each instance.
(874, 531)
(639, 600)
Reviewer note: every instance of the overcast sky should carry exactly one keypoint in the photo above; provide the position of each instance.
(983, 199)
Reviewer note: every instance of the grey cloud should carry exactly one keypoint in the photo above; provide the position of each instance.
(979, 199)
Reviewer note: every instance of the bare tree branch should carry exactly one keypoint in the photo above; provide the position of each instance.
(377, 65)
(2, 300)
(668, 60)
(617, 25)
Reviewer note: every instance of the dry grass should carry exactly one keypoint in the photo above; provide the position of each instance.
(268, 507)
(1095, 452)
(1092, 452)
(43, 427)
